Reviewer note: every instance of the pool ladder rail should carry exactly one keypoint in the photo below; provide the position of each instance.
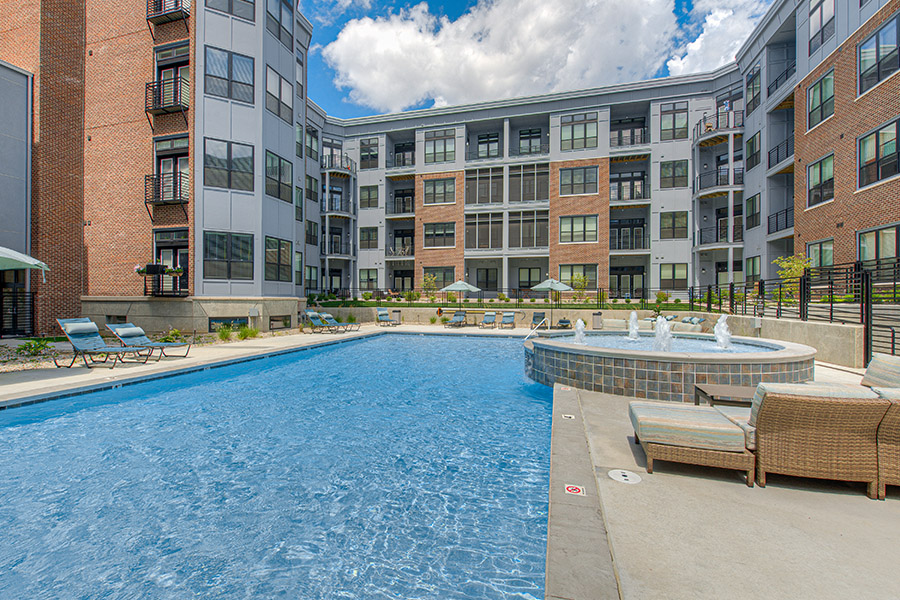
(536, 327)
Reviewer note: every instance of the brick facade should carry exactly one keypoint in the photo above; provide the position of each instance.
(852, 209)
(441, 213)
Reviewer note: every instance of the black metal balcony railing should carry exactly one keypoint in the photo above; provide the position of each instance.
(783, 219)
(404, 206)
(783, 77)
(399, 250)
(629, 137)
(619, 192)
(719, 177)
(335, 247)
(164, 11)
(312, 240)
(782, 151)
(166, 285)
(400, 161)
(336, 205)
(481, 154)
(722, 120)
(529, 150)
(167, 96)
(629, 242)
(718, 235)
(333, 162)
(167, 188)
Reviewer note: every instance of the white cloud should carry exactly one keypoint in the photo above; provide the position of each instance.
(327, 11)
(508, 48)
(723, 29)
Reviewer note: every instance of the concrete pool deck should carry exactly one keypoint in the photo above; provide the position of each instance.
(683, 532)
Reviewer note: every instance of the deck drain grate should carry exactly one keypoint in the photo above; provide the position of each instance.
(623, 476)
(568, 416)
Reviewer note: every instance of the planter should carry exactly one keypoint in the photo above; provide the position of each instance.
(155, 269)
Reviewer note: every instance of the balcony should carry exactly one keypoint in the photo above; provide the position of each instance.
(166, 11)
(342, 164)
(718, 178)
(400, 251)
(336, 248)
(783, 219)
(167, 188)
(782, 77)
(529, 150)
(782, 151)
(622, 192)
(476, 154)
(337, 205)
(162, 285)
(400, 161)
(711, 128)
(167, 96)
(400, 207)
(623, 138)
(628, 241)
(718, 235)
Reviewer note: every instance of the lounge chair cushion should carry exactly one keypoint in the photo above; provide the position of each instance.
(883, 371)
(887, 393)
(81, 328)
(689, 426)
(740, 416)
(819, 390)
(128, 332)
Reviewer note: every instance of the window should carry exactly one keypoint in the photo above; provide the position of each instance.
(751, 269)
(444, 276)
(486, 279)
(673, 174)
(530, 141)
(244, 9)
(628, 186)
(529, 276)
(229, 75)
(298, 141)
(484, 186)
(673, 225)
(298, 268)
(368, 153)
(878, 155)
(579, 131)
(673, 276)
(581, 180)
(752, 153)
(278, 260)
(529, 183)
(298, 204)
(368, 196)
(754, 95)
(440, 191)
(578, 229)
(752, 212)
(228, 165)
(484, 230)
(279, 175)
(440, 235)
(227, 255)
(529, 229)
(821, 23)
(312, 189)
(312, 278)
(404, 154)
(821, 254)
(820, 181)
(368, 279)
(874, 245)
(878, 56)
(299, 73)
(589, 272)
(488, 145)
(820, 99)
(312, 142)
(279, 95)
(368, 238)
(673, 121)
(404, 202)
(280, 21)
(440, 146)
(312, 233)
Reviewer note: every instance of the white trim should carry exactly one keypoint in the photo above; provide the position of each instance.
(815, 205)
(874, 87)
(816, 126)
(876, 184)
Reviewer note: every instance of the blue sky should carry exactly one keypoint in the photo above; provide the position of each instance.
(375, 56)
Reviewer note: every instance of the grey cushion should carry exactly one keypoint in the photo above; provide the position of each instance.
(81, 328)
(128, 332)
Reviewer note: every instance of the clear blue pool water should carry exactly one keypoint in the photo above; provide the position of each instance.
(401, 467)
(679, 344)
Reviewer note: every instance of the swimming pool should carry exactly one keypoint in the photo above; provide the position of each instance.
(395, 467)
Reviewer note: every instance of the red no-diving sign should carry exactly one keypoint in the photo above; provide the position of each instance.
(575, 490)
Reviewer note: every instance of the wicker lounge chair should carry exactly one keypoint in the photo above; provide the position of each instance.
(132, 336)
(883, 375)
(86, 342)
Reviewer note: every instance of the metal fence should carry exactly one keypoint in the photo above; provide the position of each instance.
(16, 313)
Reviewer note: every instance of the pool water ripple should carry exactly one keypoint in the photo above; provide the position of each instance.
(394, 468)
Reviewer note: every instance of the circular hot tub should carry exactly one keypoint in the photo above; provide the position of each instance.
(612, 364)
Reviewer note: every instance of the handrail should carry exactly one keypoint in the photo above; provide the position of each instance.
(538, 326)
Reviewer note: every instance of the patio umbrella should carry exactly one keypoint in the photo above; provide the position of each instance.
(12, 260)
(551, 285)
(460, 286)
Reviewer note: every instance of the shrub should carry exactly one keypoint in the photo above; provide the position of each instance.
(411, 296)
(465, 300)
(627, 300)
(311, 299)
(451, 297)
(223, 331)
(246, 331)
(501, 297)
(662, 297)
(506, 300)
(339, 319)
(351, 318)
(367, 296)
(546, 300)
(433, 320)
(532, 299)
(491, 300)
(174, 335)
(33, 348)
(676, 301)
(444, 319)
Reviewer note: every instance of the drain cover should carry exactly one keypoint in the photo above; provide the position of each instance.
(624, 476)
(568, 416)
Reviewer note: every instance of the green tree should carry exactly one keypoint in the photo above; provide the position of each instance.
(790, 269)
(429, 284)
(579, 283)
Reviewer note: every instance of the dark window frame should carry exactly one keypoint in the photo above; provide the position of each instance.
(436, 235)
(569, 184)
(366, 196)
(275, 103)
(281, 186)
(446, 139)
(816, 113)
(578, 131)
(484, 186)
(481, 225)
(279, 270)
(676, 113)
(674, 180)
(884, 65)
(228, 6)
(672, 282)
(671, 230)
(369, 241)
(825, 30)
(230, 246)
(532, 225)
(229, 168)
(230, 83)
(752, 210)
(753, 93)
(824, 189)
(368, 153)
(752, 151)
(433, 195)
(585, 234)
(884, 163)
(281, 25)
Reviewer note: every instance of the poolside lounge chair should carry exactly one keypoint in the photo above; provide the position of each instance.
(693, 320)
(132, 336)
(509, 318)
(489, 320)
(458, 320)
(86, 342)
(319, 324)
(383, 317)
(564, 324)
(334, 322)
(537, 318)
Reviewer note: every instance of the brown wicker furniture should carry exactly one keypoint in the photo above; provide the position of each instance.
(889, 449)
(739, 461)
(727, 395)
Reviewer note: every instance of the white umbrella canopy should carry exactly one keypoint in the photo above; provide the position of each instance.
(12, 260)
(460, 286)
(551, 285)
